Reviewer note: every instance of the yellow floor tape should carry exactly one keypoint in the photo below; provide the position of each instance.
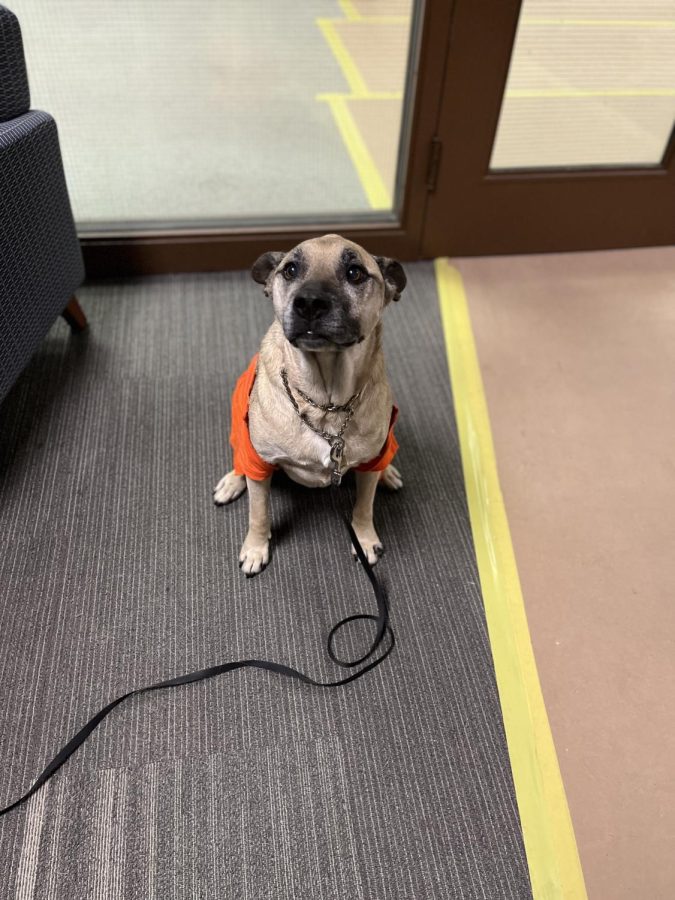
(377, 193)
(552, 855)
(602, 23)
(538, 93)
(369, 175)
(352, 14)
(350, 70)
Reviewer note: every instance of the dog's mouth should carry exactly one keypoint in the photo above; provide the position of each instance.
(315, 340)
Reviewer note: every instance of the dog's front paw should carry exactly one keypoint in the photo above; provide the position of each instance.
(254, 556)
(229, 488)
(391, 478)
(372, 545)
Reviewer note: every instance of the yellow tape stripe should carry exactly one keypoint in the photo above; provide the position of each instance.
(371, 180)
(610, 23)
(371, 95)
(350, 11)
(553, 859)
(349, 68)
(519, 93)
(352, 14)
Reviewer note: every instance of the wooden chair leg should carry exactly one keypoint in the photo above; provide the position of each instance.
(74, 315)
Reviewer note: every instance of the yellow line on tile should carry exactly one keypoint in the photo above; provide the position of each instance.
(351, 12)
(552, 856)
(371, 180)
(619, 23)
(527, 93)
(369, 95)
(385, 20)
(353, 15)
(349, 68)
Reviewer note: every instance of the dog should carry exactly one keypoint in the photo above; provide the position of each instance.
(315, 401)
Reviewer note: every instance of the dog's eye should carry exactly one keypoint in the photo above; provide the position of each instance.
(289, 271)
(356, 275)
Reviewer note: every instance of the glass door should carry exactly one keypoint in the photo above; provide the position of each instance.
(199, 134)
(556, 128)
(225, 114)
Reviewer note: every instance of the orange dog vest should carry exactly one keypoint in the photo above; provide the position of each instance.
(247, 460)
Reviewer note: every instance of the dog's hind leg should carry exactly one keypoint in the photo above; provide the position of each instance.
(229, 488)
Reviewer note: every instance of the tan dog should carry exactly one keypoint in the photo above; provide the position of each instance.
(320, 402)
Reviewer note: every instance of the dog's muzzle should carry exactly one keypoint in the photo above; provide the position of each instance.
(318, 319)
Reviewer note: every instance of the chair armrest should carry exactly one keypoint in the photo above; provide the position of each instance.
(40, 258)
(14, 93)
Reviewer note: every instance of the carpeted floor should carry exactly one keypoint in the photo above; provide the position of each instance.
(116, 570)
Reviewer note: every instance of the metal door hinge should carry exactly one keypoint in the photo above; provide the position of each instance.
(434, 163)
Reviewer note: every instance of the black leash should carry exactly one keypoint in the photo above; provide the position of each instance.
(383, 629)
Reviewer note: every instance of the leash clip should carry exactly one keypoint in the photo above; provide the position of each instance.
(337, 448)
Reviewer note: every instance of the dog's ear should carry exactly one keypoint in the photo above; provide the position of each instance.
(264, 266)
(394, 277)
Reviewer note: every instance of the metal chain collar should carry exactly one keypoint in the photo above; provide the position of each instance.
(336, 441)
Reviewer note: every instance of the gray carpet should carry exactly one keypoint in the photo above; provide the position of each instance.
(116, 570)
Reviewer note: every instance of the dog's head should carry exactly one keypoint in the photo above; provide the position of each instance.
(328, 293)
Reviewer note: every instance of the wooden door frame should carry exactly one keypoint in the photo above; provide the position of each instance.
(475, 212)
(194, 250)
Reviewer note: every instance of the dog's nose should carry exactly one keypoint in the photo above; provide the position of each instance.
(311, 306)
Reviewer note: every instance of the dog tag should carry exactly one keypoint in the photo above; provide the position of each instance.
(335, 478)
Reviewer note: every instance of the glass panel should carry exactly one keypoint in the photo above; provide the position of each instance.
(202, 113)
(591, 82)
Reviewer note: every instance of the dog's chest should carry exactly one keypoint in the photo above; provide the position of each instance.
(307, 461)
(305, 455)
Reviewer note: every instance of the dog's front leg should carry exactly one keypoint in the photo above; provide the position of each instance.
(255, 551)
(362, 516)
